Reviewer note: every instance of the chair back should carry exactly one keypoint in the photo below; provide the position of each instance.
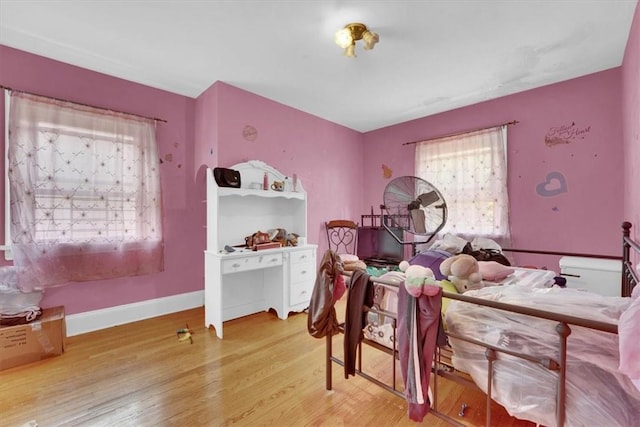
(342, 236)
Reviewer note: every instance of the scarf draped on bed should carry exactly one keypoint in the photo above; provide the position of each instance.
(419, 327)
(359, 301)
(328, 287)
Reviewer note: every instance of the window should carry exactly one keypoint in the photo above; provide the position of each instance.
(70, 203)
(470, 170)
(84, 192)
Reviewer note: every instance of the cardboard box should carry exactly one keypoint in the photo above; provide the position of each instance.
(33, 341)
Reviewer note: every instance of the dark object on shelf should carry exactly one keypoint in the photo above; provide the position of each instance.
(227, 177)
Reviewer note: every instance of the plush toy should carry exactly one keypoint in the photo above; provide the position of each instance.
(419, 280)
(463, 271)
(281, 236)
(291, 239)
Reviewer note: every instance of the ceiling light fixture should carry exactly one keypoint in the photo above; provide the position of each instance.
(346, 38)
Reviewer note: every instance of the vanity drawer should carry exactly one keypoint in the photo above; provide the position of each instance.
(301, 256)
(302, 272)
(300, 292)
(252, 262)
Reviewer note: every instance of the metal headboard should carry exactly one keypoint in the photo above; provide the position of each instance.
(629, 277)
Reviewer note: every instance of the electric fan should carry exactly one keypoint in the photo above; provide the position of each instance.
(415, 206)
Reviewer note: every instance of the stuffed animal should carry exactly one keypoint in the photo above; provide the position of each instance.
(463, 271)
(419, 280)
(291, 239)
(281, 236)
(278, 235)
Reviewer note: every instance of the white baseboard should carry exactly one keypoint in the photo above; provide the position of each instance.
(90, 321)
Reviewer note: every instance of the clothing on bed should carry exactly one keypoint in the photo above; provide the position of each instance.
(431, 259)
(321, 319)
(359, 300)
(481, 248)
(419, 327)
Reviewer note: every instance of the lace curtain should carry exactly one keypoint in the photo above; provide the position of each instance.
(470, 170)
(84, 193)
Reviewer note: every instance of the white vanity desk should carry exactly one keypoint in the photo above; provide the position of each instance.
(246, 282)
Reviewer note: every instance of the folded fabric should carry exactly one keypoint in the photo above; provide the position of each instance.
(353, 266)
(494, 271)
(348, 258)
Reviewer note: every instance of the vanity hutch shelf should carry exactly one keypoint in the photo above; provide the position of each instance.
(244, 282)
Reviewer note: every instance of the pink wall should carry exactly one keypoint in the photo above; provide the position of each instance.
(587, 216)
(184, 237)
(326, 157)
(205, 147)
(334, 162)
(631, 125)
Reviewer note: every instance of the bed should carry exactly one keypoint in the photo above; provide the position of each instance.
(546, 354)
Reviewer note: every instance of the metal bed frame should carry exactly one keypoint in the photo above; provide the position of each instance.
(442, 367)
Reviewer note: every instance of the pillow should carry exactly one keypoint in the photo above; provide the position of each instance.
(348, 258)
(485, 243)
(431, 259)
(356, 265)
(494, 271)
(450, 243)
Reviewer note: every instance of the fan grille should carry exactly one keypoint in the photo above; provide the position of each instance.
(414, 205)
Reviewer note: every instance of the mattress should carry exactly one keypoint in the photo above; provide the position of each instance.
(379, 328)
(529, 277)
(597, 393)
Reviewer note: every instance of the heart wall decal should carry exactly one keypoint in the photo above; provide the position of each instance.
(554, 184)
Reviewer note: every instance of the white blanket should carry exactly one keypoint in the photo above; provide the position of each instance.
(597, 393)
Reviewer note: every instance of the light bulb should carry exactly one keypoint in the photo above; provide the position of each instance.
(370, 39)
(350, 51)
(343, 38)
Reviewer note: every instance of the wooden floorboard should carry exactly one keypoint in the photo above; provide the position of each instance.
(266, 371)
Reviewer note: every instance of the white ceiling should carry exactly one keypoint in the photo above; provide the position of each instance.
(433, 56)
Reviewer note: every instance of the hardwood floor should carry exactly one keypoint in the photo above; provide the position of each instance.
(266, 371)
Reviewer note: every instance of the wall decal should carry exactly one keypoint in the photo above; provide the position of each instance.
(565, 134)
(554, 184)
(386, 171)
(249, 133)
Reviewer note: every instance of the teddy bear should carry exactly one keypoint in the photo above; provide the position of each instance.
(283, 237)
(419, 280)
(291, 239)
(463, 271)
